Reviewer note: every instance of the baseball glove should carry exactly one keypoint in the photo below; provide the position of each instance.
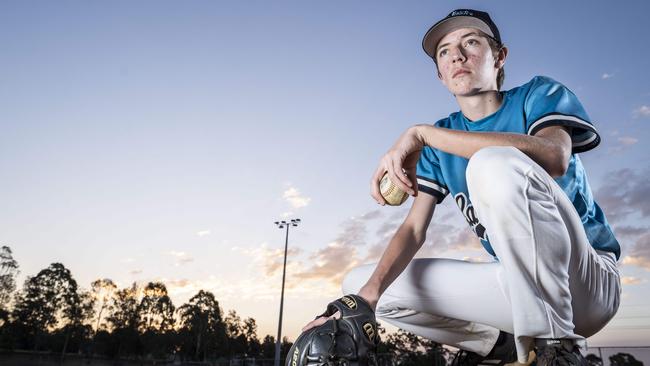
(349, 341)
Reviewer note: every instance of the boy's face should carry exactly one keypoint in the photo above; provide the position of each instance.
(466, 65)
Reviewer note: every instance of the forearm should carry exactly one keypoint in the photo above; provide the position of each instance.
(549, 155)
(401, 249)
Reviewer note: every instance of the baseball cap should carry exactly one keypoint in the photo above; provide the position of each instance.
(459, 18)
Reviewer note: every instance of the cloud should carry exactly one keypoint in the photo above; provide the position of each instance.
(606, 76)
(331, 263)
(639, 254)
(203, 233)
(630, 231)
(624, 193)
(295, 199)
(127, 260)
(642, 111)
(629, 280)
(627, 141)
(270, 260)
(135, 272)
(287, 214)
(181, 257)
(624, 142)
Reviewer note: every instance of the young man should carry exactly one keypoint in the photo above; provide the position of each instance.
(508, 160)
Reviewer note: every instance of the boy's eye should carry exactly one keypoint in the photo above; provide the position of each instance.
(471, 42)
(442, 53)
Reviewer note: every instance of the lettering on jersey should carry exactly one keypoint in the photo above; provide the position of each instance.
(370, 331)
(294, 358)
(468, 211)
(349, 302)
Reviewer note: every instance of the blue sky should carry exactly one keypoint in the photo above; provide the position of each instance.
(159, 140)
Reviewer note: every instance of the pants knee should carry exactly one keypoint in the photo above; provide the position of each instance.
(356, 278)
(494, 173)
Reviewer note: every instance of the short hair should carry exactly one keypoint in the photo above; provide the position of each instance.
(496, 48)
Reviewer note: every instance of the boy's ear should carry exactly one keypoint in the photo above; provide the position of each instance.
(501, 57)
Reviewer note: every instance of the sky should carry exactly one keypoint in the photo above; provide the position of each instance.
(161, 140)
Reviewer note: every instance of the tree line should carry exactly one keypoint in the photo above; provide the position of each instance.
(51, 313)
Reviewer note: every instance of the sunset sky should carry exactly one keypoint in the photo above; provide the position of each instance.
(160, 140)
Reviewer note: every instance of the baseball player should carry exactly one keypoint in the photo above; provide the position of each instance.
(508, 159)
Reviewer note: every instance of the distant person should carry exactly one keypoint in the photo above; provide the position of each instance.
(508, 159)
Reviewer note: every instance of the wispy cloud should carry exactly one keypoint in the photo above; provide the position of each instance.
(127, 260)
(624, 142)
(606, 76)
(627, 140)
(331, 263)
(639, 254)
(203, 233)
(181, 257)
(629, 280)
(270, 260)
(630, 231)
(642, 111)
(295, 199)
(625, 192)
(135, 272)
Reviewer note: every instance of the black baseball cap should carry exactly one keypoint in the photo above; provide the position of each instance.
(459, 18)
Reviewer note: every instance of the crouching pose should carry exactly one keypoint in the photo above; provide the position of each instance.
(508, 159)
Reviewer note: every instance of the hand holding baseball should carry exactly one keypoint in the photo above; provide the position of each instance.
(399, 165)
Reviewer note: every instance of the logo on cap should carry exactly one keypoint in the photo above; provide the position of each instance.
(456, 13)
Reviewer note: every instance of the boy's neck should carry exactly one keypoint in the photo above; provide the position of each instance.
(480, 105)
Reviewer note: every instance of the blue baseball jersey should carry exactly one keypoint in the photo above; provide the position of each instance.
(540, 103)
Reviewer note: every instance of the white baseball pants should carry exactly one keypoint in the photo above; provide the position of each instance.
(548, 283)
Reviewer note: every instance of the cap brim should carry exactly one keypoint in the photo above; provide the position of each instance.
(441, 29)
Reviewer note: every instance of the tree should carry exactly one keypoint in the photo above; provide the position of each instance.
(201, 318)
(268, 347)
(103, 291)
(624, 359)
(124, 318)
(156, 320)
(593, 360)
(49, 301)
(156, 311)
(236, 338)
(410, 349)
(253, 346)
(8, 273)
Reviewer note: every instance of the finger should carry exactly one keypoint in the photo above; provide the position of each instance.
(412, 174)
(401, 173)
(314, 323)
(374, 185)
(397, 178)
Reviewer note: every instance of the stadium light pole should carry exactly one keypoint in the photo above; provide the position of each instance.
(282, 225)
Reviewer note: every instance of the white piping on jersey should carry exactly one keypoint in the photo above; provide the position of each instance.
(551, 117)
(587, 141)
(438, 188)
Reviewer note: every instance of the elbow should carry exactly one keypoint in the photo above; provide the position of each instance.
(419, 236)
(560, 163)
(557, 170)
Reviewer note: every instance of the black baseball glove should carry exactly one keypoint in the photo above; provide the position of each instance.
(349, 341)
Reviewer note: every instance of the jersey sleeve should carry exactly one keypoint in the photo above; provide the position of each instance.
(549, 103)
(430, 178)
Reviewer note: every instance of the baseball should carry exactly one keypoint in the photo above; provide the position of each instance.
(391, 193)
